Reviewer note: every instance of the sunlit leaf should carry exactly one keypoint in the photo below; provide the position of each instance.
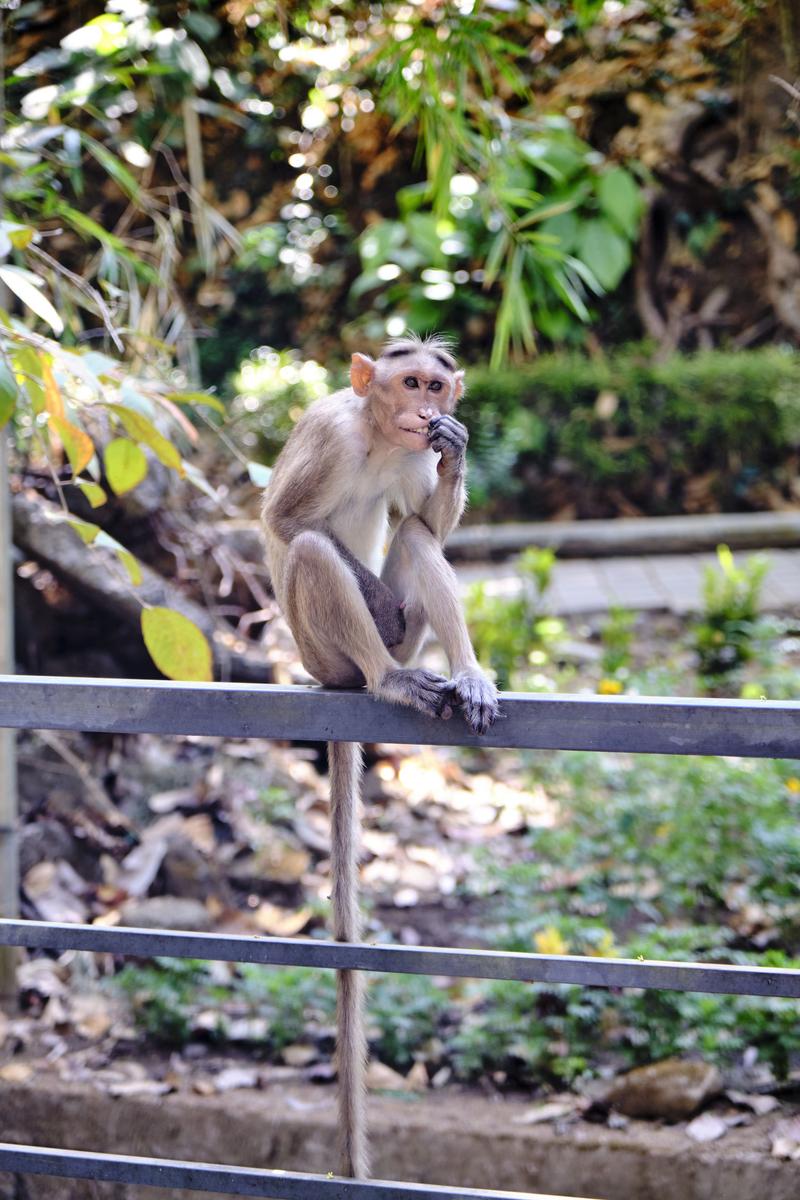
(197, 398)
(140, 429)
(125, 464)
(85, 530)
(178, 648)
(78, 445)
(93, 493)
(16, 282)
(131, 565)
(18, 235)
(259, 474)
(53, 401)
(28, 371)
(8, 394)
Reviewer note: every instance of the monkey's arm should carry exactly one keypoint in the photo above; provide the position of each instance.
(441, 511)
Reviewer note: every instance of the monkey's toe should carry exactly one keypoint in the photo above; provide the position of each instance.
(426, 691)
(478, 700)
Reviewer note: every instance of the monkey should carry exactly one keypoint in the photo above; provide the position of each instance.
(386, 448)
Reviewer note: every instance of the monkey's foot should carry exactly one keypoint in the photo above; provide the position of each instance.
(426, 691)
(477, 696)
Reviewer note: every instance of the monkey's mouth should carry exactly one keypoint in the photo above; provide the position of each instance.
(422, 432)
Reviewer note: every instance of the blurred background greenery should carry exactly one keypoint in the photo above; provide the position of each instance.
(237, 195)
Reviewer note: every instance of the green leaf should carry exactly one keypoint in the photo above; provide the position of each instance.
(85, 530)
(126, 465)
(259, 474)
(620, 200)
(140, 429)
(28, 368)
(18, 283)
(131, 565)
(78, 445)
(8, 394)
(423, 229)
(197, 398)
(377, 242)
(113, 167)
(178, 648)
(565, 227)
(93, 493)
(605, 252)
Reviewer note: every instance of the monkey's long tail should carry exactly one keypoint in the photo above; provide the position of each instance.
(351, 1051)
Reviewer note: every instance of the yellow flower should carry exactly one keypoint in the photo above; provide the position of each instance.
(550, 941)
(605, 948)
(793, 783)
(609, 687)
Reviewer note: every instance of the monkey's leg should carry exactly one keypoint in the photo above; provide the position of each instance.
(338, 640)
(417, 572)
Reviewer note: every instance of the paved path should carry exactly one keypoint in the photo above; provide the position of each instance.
(666, 582)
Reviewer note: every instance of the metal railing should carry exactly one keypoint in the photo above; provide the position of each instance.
(670, 726)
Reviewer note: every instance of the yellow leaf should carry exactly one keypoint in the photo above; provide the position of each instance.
(93, 493)
(131, 565)
(126, 465)
(52, 396)
(141, 430)
(78, 445)
(550, 941)
(85, 530)
(605, 948)
(793, 783)
(178, 648)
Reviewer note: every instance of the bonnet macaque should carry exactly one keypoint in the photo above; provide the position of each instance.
(389, 445)
(384, 457)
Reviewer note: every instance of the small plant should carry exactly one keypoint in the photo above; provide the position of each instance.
(616, 636)
(724, 634)
(507, 632)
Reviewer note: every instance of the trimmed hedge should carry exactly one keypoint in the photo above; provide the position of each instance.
(624, 433)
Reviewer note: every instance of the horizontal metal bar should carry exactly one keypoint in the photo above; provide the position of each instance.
(411, 960)
(235, 1181)
(766, 729)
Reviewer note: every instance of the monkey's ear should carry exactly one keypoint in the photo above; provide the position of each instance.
(458, 386)
(362, 373)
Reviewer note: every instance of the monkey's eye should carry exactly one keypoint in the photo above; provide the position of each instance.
(411, 381)
(435, 385)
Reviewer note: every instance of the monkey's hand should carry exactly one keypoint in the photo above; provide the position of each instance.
(477, 697)
(448, 437)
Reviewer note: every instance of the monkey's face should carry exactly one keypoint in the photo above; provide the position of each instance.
(406, 395)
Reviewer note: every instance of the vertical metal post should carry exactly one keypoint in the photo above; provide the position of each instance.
(9, 861)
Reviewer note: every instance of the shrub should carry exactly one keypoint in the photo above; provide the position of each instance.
(647, 429)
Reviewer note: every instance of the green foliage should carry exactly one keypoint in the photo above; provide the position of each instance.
(541, 221)
(506, 632)
(723, 637)
(295, 1002)
(630, 422)
(560, 1033)
(616, 637)
(404, 1013)
(167, 995)
(272, 390)
(631, 842)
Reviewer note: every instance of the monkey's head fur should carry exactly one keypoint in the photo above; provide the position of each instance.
(413, 381)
